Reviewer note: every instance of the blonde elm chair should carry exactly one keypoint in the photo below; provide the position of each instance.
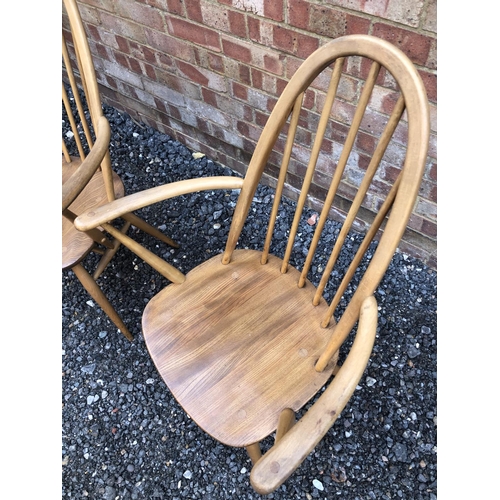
(87, 175)
(247, 339)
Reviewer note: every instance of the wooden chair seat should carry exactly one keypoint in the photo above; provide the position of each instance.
(242, 338)
(76, 244)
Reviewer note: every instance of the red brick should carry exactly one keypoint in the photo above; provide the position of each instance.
(210, 97)
(102, 51)
(365, 142)
(298, 13)
(257, 79)
(135, 65)
(309, 100)
(248, 113)
(93, 32)
(239, 91)
(122, 44)
(165, 60)
(111, 82)
(242, 128)
(216, 62)
(244, 74)
(430, 83)
(273, 64)
(389, 173)
(429, 228)
(160, 104)
(197, 34)
(280, 85)
(293, 42)
(202, 124)
(176, 7)
(363, 161)
(261, 118)
(193, 10)
(361, 67)
(174, 111)
(433, 194)
(236, 51)
(357, 25)
(148, 55)
(274, 10)
(291, 66)
(414, 45)
(192, 73)
(237, 23)
(389, 102)
(253, 29)
(271, 102)
(149, 71)
(121, 59)
(433, 172)
(285, 39)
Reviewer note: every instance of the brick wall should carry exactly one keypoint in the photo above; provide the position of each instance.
(208, 72)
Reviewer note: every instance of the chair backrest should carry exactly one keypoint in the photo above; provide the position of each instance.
(79, 73)
(389, 73)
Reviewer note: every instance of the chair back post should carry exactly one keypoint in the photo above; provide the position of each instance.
(88, 78)
(417, 109)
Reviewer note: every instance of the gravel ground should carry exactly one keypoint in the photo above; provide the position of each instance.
(125, 437)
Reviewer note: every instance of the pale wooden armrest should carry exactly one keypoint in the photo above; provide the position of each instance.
(135, 201)
(76, 183)
(287, 454)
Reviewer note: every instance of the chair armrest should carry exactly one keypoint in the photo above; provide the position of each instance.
(79, 179)
(117, 208)
(274, 468)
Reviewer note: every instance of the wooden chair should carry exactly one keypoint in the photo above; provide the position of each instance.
(89, 181)
(247, 340)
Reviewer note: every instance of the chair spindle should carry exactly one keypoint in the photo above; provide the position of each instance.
(283, 171)
(325, 116)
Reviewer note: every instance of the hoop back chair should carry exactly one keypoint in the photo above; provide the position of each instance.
(247, 339)
(87, 184)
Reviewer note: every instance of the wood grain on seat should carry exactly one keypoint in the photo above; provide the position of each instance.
(236, 344)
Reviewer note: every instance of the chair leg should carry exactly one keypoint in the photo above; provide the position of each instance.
(285, 423)
(254, 452)
(163, 267)
(147, 228)
(110, 253)
(96, 293)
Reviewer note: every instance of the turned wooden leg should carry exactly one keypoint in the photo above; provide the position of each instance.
(147, 228)
(109, 253)
(254, 452)
(96, 293)
(163, 267)
(285, 423)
